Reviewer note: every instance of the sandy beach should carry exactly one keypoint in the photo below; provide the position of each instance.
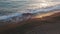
(48, 24)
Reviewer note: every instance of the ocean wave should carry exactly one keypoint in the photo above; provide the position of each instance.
(9, 7)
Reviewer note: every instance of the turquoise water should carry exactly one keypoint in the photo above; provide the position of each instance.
(10, 7)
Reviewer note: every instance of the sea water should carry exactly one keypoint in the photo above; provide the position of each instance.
(11, 8)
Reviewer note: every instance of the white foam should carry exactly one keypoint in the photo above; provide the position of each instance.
(9, 16)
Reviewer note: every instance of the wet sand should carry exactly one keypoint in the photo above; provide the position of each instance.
(46, 25)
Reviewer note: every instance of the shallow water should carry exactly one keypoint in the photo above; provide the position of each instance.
(27, 6)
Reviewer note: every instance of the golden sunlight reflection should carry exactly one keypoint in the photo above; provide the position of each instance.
(44, 15)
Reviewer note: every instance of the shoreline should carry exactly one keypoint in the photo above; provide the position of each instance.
(8, 26)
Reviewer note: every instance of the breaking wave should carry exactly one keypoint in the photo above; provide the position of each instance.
(11, 8)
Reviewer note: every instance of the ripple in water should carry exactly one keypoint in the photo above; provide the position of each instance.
(10, 7)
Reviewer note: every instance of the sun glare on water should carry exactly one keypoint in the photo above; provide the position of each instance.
(41, 4)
